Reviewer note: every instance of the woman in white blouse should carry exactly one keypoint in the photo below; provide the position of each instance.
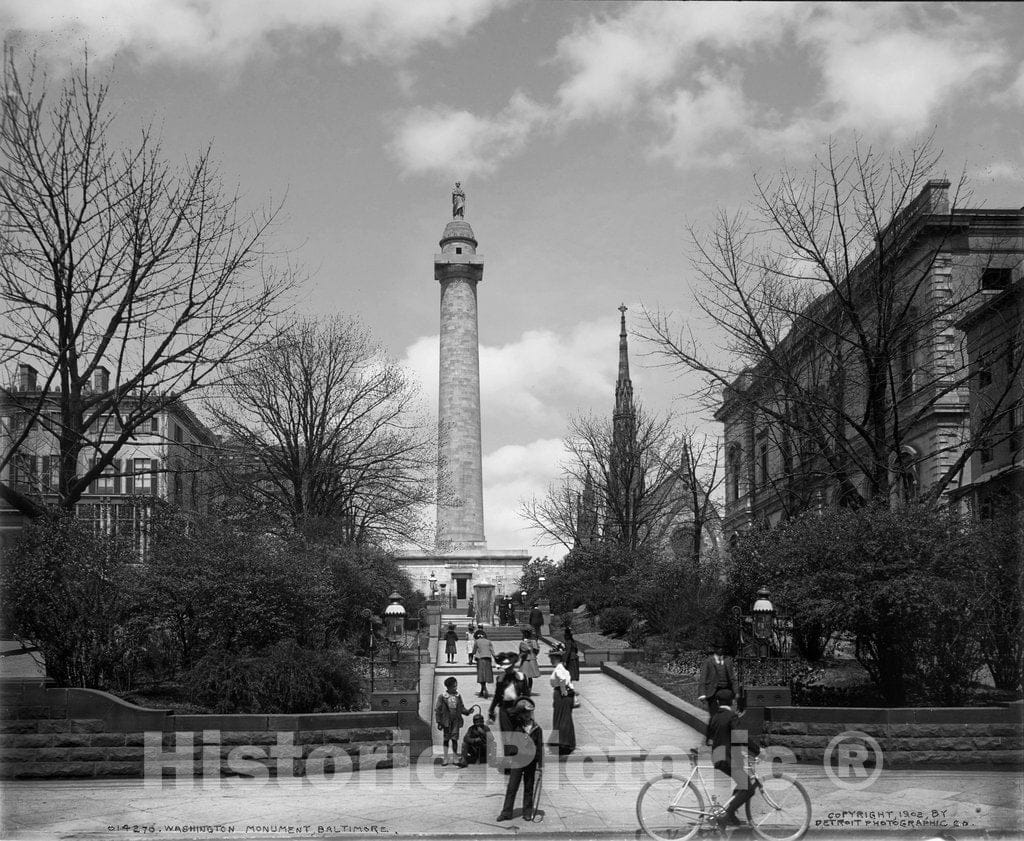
(563, 732)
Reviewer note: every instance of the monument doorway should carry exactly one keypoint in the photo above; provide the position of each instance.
(461, 590)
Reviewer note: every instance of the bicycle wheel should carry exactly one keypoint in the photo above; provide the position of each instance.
(780, 809)
(669, 808)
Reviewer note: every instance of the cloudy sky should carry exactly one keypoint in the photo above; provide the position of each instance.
(588, 138)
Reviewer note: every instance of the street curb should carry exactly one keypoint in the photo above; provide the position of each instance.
(661, 698)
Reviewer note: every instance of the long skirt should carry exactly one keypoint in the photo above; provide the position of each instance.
(484, 673)
(451, 647)
(563, 732)
(574, 668)
(529, 666)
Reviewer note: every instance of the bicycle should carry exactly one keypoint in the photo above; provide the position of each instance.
(670, 807)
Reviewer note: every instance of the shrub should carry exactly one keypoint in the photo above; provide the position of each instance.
(283, 678)
(615, 620)
(69, 591)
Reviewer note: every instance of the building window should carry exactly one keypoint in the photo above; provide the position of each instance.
(993, 278)
(762, 459)
(154, 425)
(179, 434)
(143, 476)
(105, 481)
(734, 464)
(985, 450)
(985, 370)
(908, 367)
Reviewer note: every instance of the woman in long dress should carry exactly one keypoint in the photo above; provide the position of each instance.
(563, 731)
(528, 649)
(483, 654)
(572, 655)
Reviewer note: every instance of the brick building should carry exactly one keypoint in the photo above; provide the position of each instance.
(165, 459)
(952, 259)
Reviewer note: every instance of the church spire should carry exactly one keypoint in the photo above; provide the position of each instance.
(624, 385)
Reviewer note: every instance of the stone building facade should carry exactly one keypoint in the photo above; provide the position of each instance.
(163, 460)
(994, 331)
(965, 255)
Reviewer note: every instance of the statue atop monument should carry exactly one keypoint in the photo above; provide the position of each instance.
(458, 202)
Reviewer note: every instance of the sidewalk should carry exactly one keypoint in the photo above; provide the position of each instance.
(622, 741)
(579, 799)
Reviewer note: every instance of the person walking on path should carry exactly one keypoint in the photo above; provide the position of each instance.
(727, 758)
(469, 609)
(448, 713)
(717, 676)
(526, 762)
(563, 731)
(470, 639)
(528, 650)
(572, 655)
(451, 643)
(509, 689)
(483, 653)
(536, 620)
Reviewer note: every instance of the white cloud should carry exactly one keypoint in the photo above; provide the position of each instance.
(457, 143)
(227, 32)
(881, 73)
(708, 127)
(1015, 93)
(615, 61)
(535, 383)
(513, 473)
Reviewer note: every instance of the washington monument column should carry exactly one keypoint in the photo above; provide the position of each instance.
(459, 269)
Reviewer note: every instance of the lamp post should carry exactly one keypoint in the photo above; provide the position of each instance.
(763, 613)
(394, 616)
(368, 616)
(433, 585)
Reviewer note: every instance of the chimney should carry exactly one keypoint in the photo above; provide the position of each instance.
(26, 377)
(101, 379)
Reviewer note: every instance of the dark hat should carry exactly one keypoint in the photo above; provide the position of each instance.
(724, 696)
(557, 652)
(450, 682)
(522, 705)
(478, 718)
(479, 633)
(507, 658)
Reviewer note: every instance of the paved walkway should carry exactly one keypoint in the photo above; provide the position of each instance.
(592, 795)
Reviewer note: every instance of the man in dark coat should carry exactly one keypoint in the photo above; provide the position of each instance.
(717, 675)
(536, 620)
(726, 756)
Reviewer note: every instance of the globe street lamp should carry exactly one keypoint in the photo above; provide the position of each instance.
(433, 585)
(394, 616)
(763, 613)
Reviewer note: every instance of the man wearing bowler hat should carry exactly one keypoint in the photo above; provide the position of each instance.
(528, 741)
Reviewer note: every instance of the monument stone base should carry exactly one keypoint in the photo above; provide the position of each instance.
(462, 569)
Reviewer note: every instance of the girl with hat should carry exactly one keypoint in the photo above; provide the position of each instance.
(563, 731)
(528, 649)
(448, 713)
(451, 643)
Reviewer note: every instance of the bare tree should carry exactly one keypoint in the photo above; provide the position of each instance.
(631, 492)
(836, 299)
(321, 430)
(126, 283)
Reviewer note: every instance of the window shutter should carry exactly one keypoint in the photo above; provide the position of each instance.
(154, 466)
(117, 476)
(92, 485)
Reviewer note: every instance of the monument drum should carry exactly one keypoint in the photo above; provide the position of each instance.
(458, 268)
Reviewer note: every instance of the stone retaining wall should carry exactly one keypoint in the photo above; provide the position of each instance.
(989, 736)
(47, 732)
